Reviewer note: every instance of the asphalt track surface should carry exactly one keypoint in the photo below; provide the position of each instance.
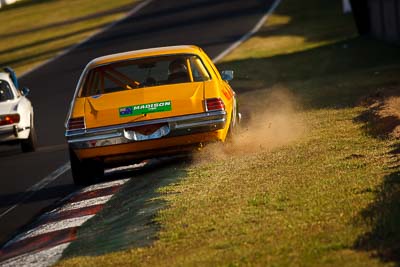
(211, 24)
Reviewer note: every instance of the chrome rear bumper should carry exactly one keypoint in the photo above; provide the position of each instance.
(120, 134)
(11, 132)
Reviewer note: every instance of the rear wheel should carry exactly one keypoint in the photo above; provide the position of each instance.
(234, 124)
(29, 144)
(85, 172)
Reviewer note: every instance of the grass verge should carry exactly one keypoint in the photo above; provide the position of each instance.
(312, 187)
(35, 31)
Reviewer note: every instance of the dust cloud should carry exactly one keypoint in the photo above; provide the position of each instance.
(270, 119)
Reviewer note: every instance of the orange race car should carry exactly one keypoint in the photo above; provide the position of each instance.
(146, 103)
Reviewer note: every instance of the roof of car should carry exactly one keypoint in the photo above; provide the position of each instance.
(167, 50)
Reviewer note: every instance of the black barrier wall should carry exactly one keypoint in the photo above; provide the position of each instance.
(385, 19)
(380, 18)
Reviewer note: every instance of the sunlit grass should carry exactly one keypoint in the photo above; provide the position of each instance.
(34, 31)
(289, 31)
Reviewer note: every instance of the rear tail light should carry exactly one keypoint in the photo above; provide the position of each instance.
(9, 119)
(76, 123)
(215, 104)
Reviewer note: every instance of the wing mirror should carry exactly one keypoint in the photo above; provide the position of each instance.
(227, 75)
(25, 91)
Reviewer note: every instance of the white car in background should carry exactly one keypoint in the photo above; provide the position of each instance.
(16, 113)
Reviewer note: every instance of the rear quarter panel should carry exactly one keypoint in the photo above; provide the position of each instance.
(218, 88)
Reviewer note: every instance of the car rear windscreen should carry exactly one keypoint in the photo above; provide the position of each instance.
(145, 72)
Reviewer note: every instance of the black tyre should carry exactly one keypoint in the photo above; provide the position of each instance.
(29, 144)
(85, 172)
(234, 124)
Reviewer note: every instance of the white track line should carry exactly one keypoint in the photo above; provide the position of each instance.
(43, 258)
(50, 227)
(249, 34)
(40, 185)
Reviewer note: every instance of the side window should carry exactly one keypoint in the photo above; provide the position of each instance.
(199, 72)
(5, 91)
(92, 84)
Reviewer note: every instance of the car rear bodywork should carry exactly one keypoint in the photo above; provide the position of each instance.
(16, 115)
(126, 107)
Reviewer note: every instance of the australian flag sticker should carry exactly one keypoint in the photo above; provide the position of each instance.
(127, 111)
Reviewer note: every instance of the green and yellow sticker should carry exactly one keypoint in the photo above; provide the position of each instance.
(145, 108)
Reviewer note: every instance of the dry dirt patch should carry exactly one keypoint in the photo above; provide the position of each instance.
(383, 112)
